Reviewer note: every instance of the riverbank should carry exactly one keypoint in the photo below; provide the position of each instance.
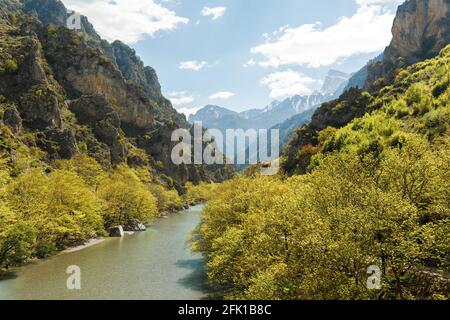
(87, 244)
(93, 242)
(154, 265)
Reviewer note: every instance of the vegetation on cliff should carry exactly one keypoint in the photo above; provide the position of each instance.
(85, 135)
(375, 192)
(47, 207)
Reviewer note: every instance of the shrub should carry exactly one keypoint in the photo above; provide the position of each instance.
(440, 88)
(11, 66)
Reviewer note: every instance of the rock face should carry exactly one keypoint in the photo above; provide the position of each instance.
(421, 29)
(96, 112)
(83, 70)
(12, 119)
(74, 91)
(61, 139)
(145, 77)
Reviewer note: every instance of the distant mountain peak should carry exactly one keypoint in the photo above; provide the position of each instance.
(334, 83)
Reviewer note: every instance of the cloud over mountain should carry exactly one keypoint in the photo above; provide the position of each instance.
(311, 45)
(127, 20)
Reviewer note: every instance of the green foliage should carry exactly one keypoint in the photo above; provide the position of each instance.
(313, 236)
(126, 198)
(11, 66)
(377, 193)
(199, 193)
(86, 168)
(168, 200)
(59, 205)
(440, 88)
(44, 209)
(16, 245)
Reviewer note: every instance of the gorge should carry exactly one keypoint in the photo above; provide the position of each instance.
(87, 140)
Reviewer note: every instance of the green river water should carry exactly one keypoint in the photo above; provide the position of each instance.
(156, 264)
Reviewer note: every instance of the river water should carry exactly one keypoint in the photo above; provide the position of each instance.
(156, 264)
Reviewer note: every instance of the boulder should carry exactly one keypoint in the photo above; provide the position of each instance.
(116, 232)
(63, 139)
(12, 119)
(135, 226)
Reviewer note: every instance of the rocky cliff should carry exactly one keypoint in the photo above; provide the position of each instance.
(71, 90)
(420, 31)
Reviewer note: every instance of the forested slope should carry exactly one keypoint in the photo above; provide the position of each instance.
(376, 192)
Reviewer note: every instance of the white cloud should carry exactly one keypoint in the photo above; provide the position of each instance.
(192, 65)
(222, 95)
(249, 63)
(188, 111)
(127, 20)
(182, 101)
(180, 98)
(288, 83)
(367, 31)
(215, 13)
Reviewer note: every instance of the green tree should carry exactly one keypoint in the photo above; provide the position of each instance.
(60, 206)
(16, 245)
(126, 198)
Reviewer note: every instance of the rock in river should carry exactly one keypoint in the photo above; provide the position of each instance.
(116, 232)
(135, 226)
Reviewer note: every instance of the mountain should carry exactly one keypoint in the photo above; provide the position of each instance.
(288, 127)
(420, 30)
(275, 113)
(334, 83)
(71, 90)
(216, 117)
(333, 86)
(285, 116)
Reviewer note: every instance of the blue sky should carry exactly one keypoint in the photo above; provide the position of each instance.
(243, 54)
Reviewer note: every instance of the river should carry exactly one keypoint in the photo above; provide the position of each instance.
(156, 265)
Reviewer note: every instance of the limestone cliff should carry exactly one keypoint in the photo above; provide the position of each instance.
(421, 30)
(68, 91)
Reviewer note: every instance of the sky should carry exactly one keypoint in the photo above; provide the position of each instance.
(243, 54)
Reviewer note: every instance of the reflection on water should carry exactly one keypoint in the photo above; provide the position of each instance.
(156, 264)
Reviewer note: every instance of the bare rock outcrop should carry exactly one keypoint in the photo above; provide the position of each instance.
(421, 30)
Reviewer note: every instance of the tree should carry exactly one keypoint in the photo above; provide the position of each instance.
(126, 198)
(85, 167)
(168, 200)
(16, 245)
(59, 206)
